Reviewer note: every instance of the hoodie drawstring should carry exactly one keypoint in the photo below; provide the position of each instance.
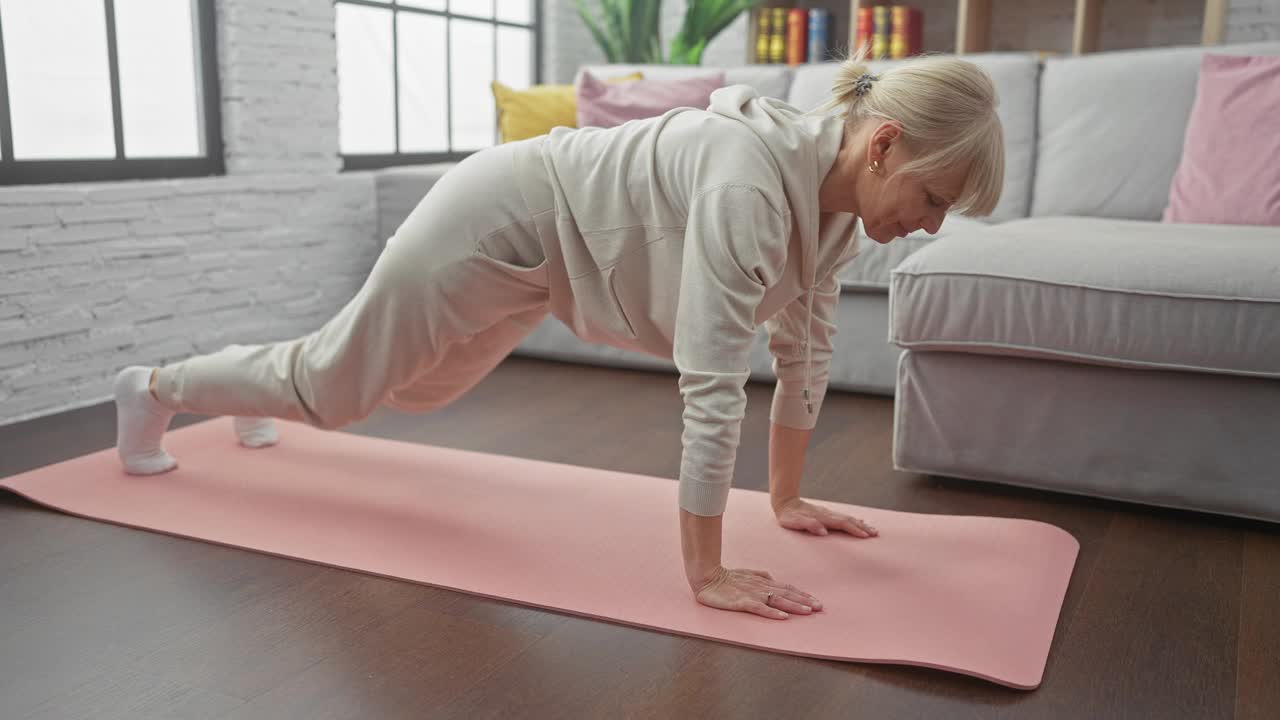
(808, 349)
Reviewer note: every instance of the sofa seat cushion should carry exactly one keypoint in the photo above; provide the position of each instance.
(869, 271)
(1114, 292)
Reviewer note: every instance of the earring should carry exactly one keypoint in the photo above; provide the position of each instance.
(874, 166)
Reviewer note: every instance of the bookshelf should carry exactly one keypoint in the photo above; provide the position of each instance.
(973, 23)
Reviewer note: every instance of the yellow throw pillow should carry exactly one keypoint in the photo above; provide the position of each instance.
(523, 114)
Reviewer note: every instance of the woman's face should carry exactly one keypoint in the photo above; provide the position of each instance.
(889, 203)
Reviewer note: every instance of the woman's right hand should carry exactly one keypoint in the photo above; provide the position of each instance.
(753, 591)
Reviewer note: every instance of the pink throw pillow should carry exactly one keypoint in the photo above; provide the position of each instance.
(1230, 168)
(602, 104)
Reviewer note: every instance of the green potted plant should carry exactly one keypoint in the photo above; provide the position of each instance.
(628, 30)
(703, 21)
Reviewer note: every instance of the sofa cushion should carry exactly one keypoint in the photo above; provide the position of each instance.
(1114, 292)
(1112, 127)
(869, 271)
(1230, 168)
(769, 81)
(1016, 78)
(605, 105)
(528, 112)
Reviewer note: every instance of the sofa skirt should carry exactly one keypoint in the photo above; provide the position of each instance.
(1192, 441)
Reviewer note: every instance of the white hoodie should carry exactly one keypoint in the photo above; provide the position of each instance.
(678, 235)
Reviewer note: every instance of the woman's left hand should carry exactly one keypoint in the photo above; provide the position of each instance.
(796, 514)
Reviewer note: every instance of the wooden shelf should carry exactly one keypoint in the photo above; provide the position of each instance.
(973, 23)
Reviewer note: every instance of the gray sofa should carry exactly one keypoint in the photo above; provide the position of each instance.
(1070, 341)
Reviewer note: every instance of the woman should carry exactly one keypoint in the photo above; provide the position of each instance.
(675, 236)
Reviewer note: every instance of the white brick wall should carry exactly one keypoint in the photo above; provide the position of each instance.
(278, 69)
(94, 277)
(1253, 20)
(566, 42)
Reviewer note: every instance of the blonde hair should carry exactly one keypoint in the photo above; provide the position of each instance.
(947, 109)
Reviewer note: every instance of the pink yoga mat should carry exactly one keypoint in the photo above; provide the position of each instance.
(974, 595)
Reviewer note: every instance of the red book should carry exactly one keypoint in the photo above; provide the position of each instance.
(865, 28)
(797, 35)
(915, 31)
(905, 37)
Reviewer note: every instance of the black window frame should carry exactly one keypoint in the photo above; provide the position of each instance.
(36, 172)
(375, 161)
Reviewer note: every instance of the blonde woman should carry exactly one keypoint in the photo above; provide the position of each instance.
(675, 236)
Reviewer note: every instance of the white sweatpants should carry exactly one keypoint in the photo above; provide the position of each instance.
(457, 287)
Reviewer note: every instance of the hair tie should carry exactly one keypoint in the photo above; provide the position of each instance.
(862, 85)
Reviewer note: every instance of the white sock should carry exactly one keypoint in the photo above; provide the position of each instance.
(256, 432)
(140, 424)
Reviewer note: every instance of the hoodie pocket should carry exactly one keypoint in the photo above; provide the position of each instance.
(535, 275)
(611, 279)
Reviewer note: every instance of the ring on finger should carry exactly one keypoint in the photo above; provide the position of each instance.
(768, 598)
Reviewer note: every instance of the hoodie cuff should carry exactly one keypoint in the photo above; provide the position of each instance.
(703, 498)
(789, 408)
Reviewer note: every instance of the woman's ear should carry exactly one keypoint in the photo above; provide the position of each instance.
(883, 138)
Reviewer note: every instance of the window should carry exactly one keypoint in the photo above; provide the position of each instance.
(414, 75)
(107, 90)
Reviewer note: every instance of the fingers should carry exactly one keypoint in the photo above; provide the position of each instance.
(861, 528)
(795, 594)
(791, 603)
(760, 608)
(852, 525)
(819, 522)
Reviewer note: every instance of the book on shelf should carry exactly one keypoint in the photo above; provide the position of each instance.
(904, 31)
(797, 34)
(892, 31)
(819, 35)
(777, 34)
(790, 35)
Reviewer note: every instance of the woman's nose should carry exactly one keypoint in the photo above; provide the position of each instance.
(932, 224)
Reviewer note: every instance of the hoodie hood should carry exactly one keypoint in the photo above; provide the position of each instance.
(805, 148)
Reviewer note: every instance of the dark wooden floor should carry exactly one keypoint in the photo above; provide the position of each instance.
(1169, 614)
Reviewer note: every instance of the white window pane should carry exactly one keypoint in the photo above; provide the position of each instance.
(471, 66)
(366, 104)
(520, 11)
(515, 57)
(155, 44)
(474, 8)
(428, 4)
(423, 106)
(59, 80)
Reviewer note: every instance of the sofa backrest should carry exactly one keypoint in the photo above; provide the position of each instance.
(1111, 126)
(1015, 76)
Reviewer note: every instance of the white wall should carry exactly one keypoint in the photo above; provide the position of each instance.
(1253, 20)
(94, 277)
